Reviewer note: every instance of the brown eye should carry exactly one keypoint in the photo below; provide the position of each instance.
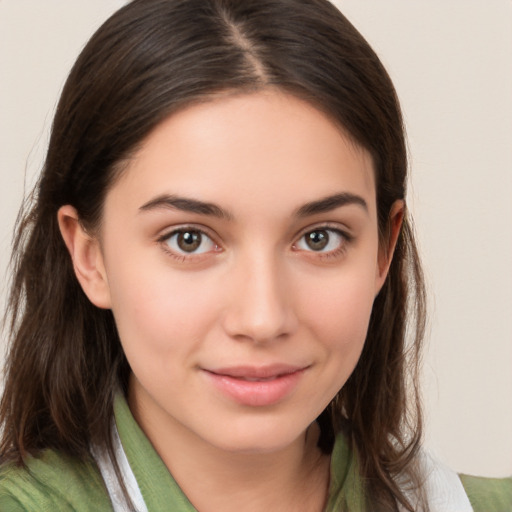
(321, 240)
(189, 241)
(317, 240)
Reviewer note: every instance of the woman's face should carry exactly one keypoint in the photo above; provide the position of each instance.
(239, 253)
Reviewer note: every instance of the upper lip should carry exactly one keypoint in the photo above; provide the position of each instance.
(257, 372)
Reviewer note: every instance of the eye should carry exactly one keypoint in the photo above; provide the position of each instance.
(321, 240)
(189, 241)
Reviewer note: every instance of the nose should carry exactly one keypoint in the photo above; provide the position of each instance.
(260, 306)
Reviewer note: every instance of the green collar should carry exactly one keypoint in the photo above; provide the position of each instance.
(346, 492)
(158, 487)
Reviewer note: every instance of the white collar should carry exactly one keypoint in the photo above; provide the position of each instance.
(442, 486)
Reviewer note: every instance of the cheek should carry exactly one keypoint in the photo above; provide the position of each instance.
(341, 322)
(160, 314)
(341, 308)
(338, 313)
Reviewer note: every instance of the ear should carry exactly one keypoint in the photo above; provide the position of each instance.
(387, 249)
(86, 255)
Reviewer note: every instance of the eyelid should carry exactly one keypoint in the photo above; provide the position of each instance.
(327, 226)
(174, 230)
(345, 234)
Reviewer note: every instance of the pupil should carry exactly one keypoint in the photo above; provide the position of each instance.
(189, 241)
(317, 240)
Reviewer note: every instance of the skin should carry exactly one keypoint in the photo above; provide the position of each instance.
(253, 293)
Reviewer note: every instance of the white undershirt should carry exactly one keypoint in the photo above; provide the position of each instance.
(111, 482)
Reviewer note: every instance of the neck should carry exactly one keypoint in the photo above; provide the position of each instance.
(294, 478)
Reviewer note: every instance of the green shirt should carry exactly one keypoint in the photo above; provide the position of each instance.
(55, 482)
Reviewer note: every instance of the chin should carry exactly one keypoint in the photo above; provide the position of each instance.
(257, 438)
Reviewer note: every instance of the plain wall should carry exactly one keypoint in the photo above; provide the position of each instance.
(451, 64)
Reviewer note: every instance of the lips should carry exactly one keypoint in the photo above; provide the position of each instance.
(256, 386)
(257, 373)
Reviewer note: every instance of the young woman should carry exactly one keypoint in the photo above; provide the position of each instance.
(215, 276)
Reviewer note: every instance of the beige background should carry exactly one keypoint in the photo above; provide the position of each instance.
(451, 63)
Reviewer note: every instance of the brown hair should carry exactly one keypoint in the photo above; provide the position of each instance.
(148, 60)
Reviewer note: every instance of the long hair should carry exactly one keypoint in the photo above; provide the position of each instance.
(150, 59)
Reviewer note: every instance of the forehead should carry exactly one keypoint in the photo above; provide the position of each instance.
(251, 150)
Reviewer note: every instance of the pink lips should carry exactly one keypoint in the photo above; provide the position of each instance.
(256, 386)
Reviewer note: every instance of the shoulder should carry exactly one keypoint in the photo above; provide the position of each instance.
(488, 494)
(50, 482)
(448, 491)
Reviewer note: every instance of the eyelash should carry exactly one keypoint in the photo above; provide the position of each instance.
(346, 239)
(183, 256)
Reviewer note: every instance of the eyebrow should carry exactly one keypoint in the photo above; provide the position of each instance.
(330, 203)
(186, 205)
(190, 205)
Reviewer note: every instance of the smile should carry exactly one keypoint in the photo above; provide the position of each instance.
(252, 379)
(256, 386)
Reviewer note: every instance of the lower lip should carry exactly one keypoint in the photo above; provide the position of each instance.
(256, 393)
